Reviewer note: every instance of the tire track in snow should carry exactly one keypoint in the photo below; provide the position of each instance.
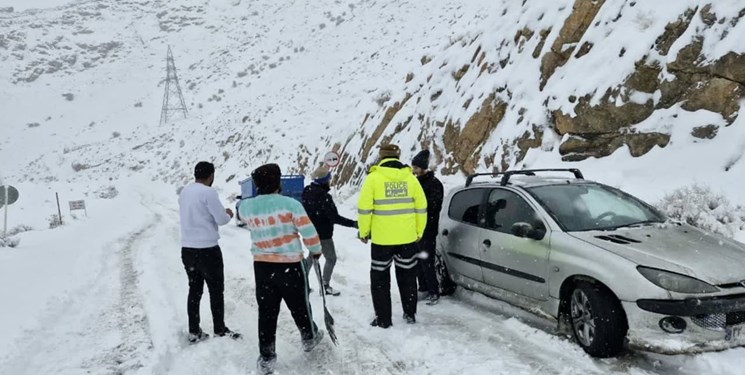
(130, 315)
(476, 334)
(99, 325)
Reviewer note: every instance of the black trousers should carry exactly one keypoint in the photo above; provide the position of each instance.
(205, 265)
(276, 282)
(426, 274)
(380, 278)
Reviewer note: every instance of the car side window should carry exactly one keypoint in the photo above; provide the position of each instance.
(465, 205)
(505, 208)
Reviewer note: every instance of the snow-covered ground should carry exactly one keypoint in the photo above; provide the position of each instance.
(106, 294)
(80, 95)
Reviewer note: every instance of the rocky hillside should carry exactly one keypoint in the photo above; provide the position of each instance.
(487, 85)
(581, 78)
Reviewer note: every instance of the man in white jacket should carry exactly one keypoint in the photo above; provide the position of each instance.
(201, 212)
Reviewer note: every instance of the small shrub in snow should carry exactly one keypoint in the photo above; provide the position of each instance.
(383, 98)
(107, 192)
(19, 229)
(115, 135)
(54, 221)
(9, 242)
(77, 167)
(697, 205)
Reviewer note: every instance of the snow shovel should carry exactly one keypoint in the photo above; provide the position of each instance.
(327, 318)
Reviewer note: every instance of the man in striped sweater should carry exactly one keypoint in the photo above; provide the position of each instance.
(276, 223)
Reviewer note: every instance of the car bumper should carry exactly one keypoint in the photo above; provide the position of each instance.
(711, 324)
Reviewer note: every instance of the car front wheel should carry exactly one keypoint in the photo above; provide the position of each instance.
(447, 286)
(598, 320)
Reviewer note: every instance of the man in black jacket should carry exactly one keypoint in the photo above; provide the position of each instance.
(323, 214)
(433, 190)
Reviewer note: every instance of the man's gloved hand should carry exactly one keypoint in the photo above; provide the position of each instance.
(316, 256)
(356, 225)
(364, 240)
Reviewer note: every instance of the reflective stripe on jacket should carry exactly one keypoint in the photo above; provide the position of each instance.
(392, 207)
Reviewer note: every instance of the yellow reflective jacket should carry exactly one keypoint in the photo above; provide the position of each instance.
(392, 206)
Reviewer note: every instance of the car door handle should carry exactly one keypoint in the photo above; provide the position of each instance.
(487, 243)
(445, 232)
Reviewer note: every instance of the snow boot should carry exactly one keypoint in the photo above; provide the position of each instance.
(311, 343)
(331, 291)
(228, 333)
(265, 365)
(197, 337)
(432, 299)
(377, 323)
(410, 319)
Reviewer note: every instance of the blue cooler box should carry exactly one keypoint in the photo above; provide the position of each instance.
(292, 186)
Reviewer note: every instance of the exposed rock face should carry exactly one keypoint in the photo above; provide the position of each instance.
(574, 28)
(389, 114)
(464, 143)
(600, 145)
(731, 66)
(716, 95)
(705, 132)
(494, 129)
(606, 117)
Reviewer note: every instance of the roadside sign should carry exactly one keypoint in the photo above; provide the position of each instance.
(331, 159)
(8, 196)
(77, 205)
(12, 194)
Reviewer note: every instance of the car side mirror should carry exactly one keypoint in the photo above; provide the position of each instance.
(525, 230)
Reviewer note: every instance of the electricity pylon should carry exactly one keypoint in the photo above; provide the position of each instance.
(173, 89)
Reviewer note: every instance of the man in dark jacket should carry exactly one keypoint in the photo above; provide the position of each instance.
(434, 192)
(322, 211)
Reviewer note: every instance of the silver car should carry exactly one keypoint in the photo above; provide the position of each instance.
(595, 260)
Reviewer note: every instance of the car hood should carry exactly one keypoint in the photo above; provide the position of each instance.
(675, 247)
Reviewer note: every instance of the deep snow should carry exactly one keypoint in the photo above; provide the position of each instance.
(107, 294)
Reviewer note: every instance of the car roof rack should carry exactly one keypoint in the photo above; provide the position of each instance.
(527, 172)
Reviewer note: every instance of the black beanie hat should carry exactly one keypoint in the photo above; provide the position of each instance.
(421, 159)
(267, 178)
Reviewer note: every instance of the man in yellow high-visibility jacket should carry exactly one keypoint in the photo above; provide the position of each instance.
(393, 213)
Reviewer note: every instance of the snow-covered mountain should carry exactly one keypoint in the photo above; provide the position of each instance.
(640, 94)
(645, 87)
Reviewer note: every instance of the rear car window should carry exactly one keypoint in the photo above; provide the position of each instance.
(465, 205)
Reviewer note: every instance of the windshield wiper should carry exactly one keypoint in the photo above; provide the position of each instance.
(638, 223)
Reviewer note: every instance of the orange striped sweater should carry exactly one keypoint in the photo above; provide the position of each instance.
(277, 223)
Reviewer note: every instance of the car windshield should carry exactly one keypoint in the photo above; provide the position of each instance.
(589, 206)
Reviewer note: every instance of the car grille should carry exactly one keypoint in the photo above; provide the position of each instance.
(735, 318)
(719, 321)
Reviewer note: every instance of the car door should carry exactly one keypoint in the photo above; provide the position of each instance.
(516, 264)
(459, 233)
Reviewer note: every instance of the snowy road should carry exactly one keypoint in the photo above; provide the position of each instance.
(119, 308)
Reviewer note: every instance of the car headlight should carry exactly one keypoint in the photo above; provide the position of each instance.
(676, 282)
